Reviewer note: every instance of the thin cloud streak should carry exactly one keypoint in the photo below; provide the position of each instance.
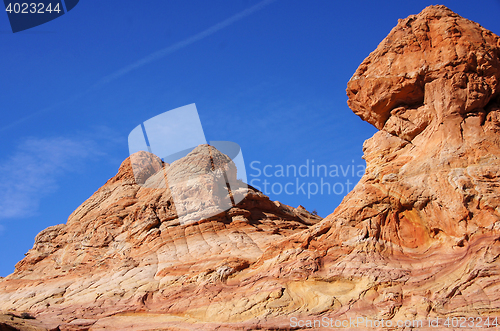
(180, 45)
(32, 172)
(148, 59)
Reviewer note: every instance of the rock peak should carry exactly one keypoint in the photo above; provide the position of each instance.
(435, 59)
(437, 11)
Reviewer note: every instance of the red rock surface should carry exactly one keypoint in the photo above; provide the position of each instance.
(125, 250)
(417, 239)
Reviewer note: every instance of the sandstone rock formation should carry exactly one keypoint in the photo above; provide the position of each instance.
(417, 239)
(125, 250)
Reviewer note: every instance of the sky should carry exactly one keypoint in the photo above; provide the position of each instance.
(267, 75)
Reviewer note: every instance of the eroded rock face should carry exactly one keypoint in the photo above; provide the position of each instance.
(417, 238)
(200, 185)
(126, 250)
(432, 88)
(432, 66)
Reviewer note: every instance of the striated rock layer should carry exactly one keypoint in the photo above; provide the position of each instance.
(417, 239)
(125, 250)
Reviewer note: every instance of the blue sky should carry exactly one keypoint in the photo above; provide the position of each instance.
(270, 76)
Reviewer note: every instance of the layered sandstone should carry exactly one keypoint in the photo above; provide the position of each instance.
(126, 250)
(417, 238)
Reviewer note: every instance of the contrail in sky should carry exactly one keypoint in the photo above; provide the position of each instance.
(150, 58)
(180, 45)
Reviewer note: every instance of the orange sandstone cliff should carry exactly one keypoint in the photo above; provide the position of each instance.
(417, 239)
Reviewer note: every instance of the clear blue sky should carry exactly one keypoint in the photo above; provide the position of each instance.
(271, 79)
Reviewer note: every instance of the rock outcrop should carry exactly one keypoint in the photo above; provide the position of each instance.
(126, 250)
(419, 236)
(417, 239)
